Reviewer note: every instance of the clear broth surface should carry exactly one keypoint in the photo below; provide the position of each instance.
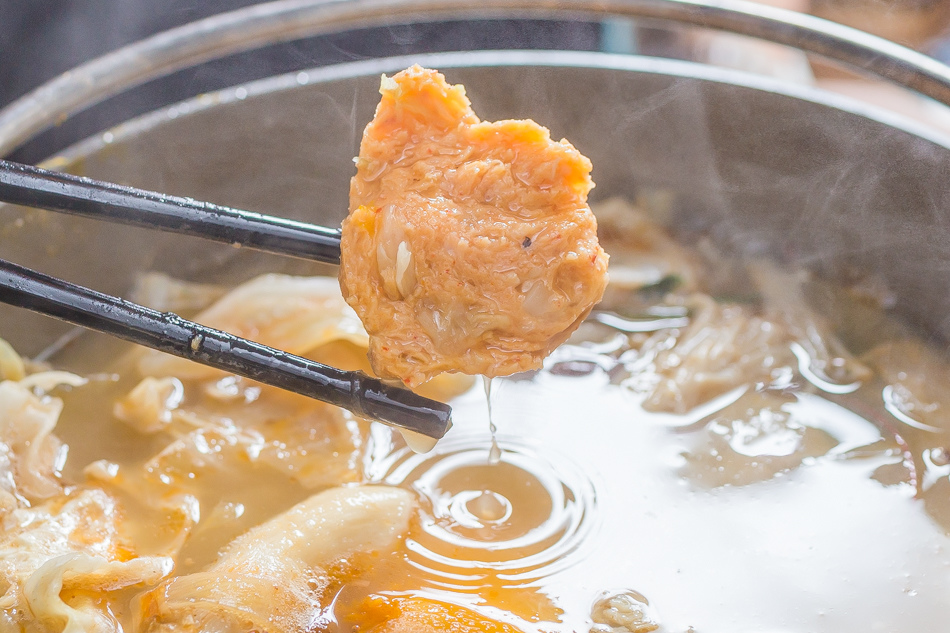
(782, 501)
(593, 493)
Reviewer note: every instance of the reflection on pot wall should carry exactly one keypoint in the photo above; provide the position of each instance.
(46, 39)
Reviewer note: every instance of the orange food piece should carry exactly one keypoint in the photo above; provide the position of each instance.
(469, 245)
(383, 614)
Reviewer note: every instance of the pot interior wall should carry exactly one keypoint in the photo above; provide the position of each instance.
(761, 170)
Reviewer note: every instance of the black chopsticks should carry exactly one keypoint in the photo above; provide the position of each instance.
(30, 186)
(167, 332)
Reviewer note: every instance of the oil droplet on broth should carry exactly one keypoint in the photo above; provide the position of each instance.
(494, 453)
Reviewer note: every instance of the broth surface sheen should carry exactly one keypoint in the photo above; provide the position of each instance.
(707, 461)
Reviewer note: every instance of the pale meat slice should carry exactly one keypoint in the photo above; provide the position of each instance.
(469, 245)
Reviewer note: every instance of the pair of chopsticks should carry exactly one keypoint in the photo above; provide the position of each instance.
(363, 395)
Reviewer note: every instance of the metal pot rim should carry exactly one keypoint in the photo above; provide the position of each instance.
(287, 20)
(564, 59)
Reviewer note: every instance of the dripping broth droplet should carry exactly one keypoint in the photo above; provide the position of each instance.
(494, 455)
(418, 442)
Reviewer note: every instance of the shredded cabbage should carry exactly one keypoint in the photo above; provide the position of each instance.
(294, 314)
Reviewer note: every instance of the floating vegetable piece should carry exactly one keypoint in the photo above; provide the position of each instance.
(274, 578)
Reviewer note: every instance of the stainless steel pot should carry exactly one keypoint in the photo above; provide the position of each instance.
(763, 167)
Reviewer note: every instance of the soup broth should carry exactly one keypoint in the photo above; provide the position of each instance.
(710, 452)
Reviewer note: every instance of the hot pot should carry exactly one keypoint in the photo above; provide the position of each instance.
(765, 168)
